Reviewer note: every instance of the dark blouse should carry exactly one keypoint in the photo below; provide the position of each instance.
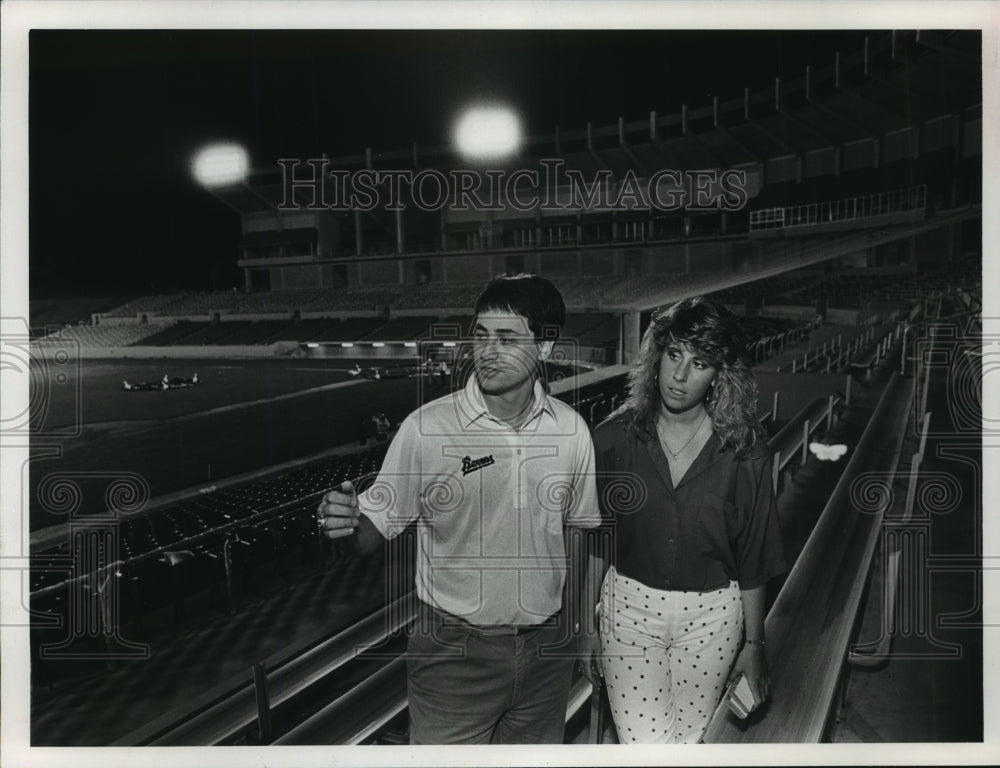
(719, 524)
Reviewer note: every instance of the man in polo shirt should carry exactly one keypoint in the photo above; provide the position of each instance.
(493, 475)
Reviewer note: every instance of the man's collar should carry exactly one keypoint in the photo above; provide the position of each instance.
(472, 404)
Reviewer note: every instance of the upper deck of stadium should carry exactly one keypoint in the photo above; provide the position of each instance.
(902, 112)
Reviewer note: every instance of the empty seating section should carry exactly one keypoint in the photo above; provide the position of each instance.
(581, 291)
(276, 302)
(758, 327)
(311, 328)
(56, 313)
(175, 334)
(848, 291)
(839, 348)
(764, 290)
(627, 289)
(215, 333)
(329, 333)
(359, 298)
(642, 289)
(765, 335)
(106, 335)
(589, 329)
(451, 295)
(260, 332)
(172, 305)
(807, 287)
(271, 515)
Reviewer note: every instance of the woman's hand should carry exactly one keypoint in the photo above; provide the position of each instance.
(590, 656)
(753, 663)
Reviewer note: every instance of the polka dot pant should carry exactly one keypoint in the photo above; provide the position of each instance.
(666, 657)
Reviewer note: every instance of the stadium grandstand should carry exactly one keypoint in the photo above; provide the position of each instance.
(182, 592)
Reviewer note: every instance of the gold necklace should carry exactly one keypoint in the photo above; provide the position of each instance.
(663, 440)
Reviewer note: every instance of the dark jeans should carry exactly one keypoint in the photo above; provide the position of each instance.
(469, 685)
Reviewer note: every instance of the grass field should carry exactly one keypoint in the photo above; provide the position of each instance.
(102, 399)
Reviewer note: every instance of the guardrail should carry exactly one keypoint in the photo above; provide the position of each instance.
(846, 209)
(833, 354)
(362, 712)
(235, 712)
(793, 438)
(810, 624)
(896, 544)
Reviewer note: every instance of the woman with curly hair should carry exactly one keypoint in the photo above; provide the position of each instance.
(684, 478)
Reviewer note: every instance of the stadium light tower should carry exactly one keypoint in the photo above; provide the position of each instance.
(487, 132)
(220, 165)
(222, 169)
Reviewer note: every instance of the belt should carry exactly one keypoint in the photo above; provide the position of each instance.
(450, 620)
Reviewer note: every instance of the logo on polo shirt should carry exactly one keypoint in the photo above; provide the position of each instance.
(470, 464)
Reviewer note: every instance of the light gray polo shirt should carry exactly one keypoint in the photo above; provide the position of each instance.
(490, 502)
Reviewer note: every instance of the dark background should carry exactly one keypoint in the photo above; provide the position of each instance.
(115, 116)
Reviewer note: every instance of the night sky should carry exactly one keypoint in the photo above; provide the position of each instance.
(116, 115)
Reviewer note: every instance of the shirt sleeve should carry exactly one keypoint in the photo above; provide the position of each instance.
(758, 548)
(583, 511)
(393, 500)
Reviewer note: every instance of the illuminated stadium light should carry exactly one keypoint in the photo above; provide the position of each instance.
(487, 132)
(448, 344)
(312, 345)
(409, 343)
(347, 344)
(378, 344)
(220, 165)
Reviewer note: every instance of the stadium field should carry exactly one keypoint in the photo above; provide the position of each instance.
(103, 400)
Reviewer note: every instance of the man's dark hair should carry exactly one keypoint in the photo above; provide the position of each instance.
(531, 296)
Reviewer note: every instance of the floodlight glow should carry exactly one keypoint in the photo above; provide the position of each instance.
(312, 345)
(409, 343)
(487, 132)
(448, 344)
(220, 165)
(378, 344)
(346, 344)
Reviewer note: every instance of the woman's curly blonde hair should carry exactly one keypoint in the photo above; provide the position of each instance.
(712, 332)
